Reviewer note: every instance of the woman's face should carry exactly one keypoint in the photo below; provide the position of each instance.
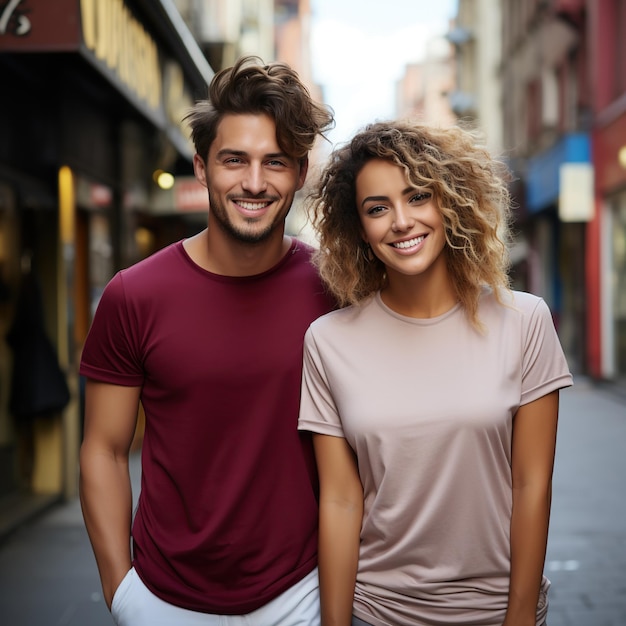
(401, 223)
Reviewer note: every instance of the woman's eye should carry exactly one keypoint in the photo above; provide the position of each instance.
(375, 210)
(420, 197)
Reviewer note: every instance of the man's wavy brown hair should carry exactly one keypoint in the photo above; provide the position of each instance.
(470, 189)
(249, 87)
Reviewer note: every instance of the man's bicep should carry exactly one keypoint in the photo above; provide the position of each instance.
(110, 415)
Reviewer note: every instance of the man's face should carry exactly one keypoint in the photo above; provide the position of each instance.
(251, 181)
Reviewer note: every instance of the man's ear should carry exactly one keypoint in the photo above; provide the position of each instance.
(304, 168)
(199, 169)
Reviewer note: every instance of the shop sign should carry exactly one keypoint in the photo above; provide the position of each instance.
(576, 192)
(104, 31)
(543, 181)
(13, 20)
(39, 25)
(118, 41)
(107, 34)
(187, 195)
(190, 195)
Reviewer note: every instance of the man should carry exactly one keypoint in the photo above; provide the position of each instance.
(207, 334)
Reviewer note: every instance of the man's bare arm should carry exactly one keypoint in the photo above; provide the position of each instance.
(105, 488)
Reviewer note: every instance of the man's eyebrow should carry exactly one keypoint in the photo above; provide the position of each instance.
(242, 153)
(228, 152)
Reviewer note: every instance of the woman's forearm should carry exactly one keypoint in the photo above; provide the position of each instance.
(340, 525)
(340, 518)
(529, 535)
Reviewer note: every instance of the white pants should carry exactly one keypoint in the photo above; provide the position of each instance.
(135, 605)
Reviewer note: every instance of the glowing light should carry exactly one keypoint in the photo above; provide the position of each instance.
(165, 180)
(621, 156)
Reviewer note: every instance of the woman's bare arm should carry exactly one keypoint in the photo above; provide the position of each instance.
(341, 514)
(534, 442)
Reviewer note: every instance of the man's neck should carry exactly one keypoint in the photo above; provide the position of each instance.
(236, 258)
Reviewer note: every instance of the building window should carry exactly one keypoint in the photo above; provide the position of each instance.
(533, 109)
(549, 99)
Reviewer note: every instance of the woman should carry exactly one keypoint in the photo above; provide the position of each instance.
(433, 392)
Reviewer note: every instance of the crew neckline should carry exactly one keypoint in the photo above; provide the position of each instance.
(296, 245)
(421, 321)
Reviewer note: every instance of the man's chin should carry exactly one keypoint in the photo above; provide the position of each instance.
(251, 236)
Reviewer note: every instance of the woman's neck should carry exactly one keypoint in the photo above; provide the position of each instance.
(420, 296)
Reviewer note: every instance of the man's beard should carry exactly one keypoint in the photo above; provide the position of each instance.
(239, 234)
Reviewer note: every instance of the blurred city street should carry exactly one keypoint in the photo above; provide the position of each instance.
(48, 576)
(98, 153)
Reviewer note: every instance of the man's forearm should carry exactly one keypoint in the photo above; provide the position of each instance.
(106, 501)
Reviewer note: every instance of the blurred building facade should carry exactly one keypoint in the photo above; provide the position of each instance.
(545, 129)
(476, 97)
(546, 80)
(564, 88)
(423, 90)
(605, 24)
(94, 92)
(94, 96)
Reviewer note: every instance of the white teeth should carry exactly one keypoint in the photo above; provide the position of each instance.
(253, 206)
(408, 244)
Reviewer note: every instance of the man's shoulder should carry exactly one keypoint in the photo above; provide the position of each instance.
(160, 258)
(300, 256)
(146, 277)
(301, 250)
(153, 272)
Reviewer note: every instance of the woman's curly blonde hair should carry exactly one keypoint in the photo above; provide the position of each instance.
(470, 189)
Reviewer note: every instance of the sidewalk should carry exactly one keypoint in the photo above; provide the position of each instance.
(586, 559)
(48, 575)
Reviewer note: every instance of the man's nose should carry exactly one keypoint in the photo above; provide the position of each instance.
(254, 181)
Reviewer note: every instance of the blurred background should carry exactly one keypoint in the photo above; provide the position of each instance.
(96, 164)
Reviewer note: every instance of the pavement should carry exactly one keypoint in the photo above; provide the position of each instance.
(586, 559)
(48, 575)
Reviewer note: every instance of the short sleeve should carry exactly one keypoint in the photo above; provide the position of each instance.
(318, 410)
(110, 354)
(544, 368)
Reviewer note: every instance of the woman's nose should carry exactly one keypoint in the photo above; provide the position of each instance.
(402, 220)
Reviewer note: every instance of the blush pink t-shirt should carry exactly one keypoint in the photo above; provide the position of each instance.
(428, 406)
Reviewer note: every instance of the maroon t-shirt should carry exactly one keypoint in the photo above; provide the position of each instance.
(227, 515)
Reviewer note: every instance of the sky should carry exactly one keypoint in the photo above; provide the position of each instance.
(360, 49)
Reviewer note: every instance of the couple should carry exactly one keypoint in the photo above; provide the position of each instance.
(427, 391)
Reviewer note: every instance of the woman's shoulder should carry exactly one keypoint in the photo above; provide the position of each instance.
(340, 318)
(522, 301)
(514, 306)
